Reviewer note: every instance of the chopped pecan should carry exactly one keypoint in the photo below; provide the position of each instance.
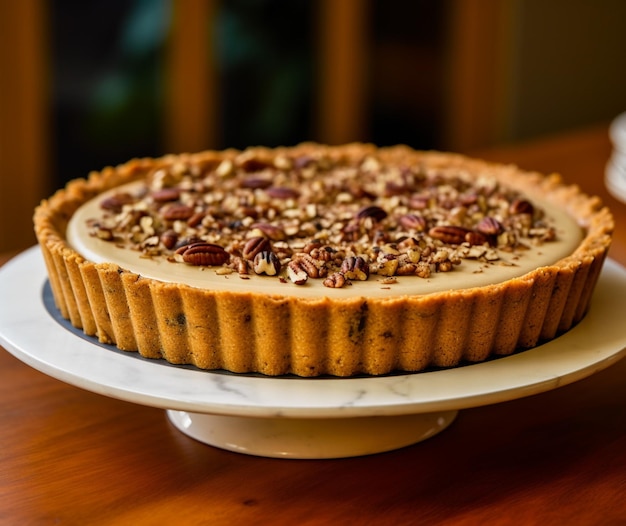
(351, 232)
(266, 262)
(102, 232)
(386, 267)
(408, 269)
(423, 270)
(335, 281)
(240, 265)
(355, 268)
(543, 233)
(296, 273)
(225, 168)
(312, 245)
(407, 243)
(325, 253)
(444, 266)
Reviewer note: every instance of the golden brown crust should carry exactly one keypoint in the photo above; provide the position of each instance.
(274, 335)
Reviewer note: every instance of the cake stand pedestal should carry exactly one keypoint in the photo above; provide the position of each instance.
(290, 417)
(311, 437)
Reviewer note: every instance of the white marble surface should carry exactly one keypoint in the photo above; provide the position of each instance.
(28, 331)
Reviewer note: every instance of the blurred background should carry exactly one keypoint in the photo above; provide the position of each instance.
(86, 84)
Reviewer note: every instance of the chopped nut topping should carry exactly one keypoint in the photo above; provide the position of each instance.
(296, 273)
(335, 281)
(355, 268)
(338, 219)
(254, 246)
(266, 263)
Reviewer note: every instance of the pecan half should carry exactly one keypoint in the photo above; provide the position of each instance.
(256, 182)
(176, 212)
(255, 245)
(489, 226)
(476, 238)
(184, 242)
(413, 222)
(453, 235)
(325, 253)
(169, 239)
(373, 211)
(196, 219)
(253, 164)
(273, 232)
(282, 192)
(418, 202)
(393, 188)
(204, 254)
(165, 194)
(116, 202)
(521, 206)
(309, 265)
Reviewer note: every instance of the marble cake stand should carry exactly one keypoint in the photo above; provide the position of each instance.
(294, 417)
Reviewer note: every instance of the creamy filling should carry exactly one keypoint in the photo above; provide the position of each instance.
(468, 274)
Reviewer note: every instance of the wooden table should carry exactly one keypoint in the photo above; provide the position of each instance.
(72, 457)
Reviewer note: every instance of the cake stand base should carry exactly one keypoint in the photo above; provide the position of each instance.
(301, 417)
(302, 438)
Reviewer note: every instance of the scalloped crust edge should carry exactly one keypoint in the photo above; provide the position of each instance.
(276, 335)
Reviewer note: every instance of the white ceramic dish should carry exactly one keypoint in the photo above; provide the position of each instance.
(615, 179)
(303, 417)
(617, 132)
(615, 173)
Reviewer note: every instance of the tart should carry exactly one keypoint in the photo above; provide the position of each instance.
(322, 260)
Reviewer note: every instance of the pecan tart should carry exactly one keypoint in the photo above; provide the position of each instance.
(313, 260)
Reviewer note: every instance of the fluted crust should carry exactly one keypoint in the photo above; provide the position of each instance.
(275, 335)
